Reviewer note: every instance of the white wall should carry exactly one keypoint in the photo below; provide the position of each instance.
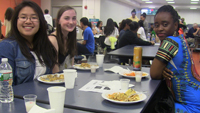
(115, 10)
(93, 9)
(191, 16)
(46, 4)
(66, 2)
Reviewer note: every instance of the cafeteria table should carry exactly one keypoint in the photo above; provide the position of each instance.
(148, 52)
(92, 101)
(17, 106)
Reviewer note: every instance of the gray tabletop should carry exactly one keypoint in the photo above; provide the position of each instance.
(18, 106)
(148, 52)
(91, 101)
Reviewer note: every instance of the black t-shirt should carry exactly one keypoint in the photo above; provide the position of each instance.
(61, 57)
(190, 32)
(130, 38)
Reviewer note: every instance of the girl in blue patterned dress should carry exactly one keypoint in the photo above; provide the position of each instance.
(174, 55)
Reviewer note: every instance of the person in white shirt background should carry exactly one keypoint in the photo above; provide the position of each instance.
(48, 17)
(141, 33)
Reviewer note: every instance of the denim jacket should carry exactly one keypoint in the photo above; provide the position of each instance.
(23, 69)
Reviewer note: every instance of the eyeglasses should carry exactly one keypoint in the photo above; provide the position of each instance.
(33, 19)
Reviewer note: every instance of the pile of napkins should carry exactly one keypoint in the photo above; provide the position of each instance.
(38, 109)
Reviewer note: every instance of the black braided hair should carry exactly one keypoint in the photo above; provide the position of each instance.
(172, 11)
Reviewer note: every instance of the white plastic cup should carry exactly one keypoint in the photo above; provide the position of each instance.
(57, 98)
(124, 84)
(69, 77)
(93, 69)
(100, 59)
(138, 76)
(29, 101)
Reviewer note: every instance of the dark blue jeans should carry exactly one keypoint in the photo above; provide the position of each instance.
(82, 50)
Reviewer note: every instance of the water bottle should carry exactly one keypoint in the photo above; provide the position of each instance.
(148, 37)
(6, 79)
(153, 38)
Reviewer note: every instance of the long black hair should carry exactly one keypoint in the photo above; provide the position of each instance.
(140, 22)
(172, 11)
(8, 14)
(98, 23)
(41, 44)
(122, 25)
(109, 28)
(134, 26)
(71, 40)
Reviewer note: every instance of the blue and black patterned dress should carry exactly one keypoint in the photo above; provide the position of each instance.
(185, 84)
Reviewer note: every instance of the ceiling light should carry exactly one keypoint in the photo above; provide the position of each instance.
(194, 3)
(193, 8)
(194, 0)
(149, 2)
(145, 0)
(170, 2)
(152, 7)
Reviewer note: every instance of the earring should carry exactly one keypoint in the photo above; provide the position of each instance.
(175, 33)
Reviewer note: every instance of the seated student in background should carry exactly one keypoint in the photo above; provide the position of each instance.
(151, 27)
(193, 31)
(99, 27)
(115, 24)
(64, 38)
(130, 37)
(93, 27)
(123, 27)
(111, 33)
(141, 33)
(87, 46)
(28, 49)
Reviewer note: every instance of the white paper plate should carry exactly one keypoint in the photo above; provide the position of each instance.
(105, 96)
(51, 82)
(123, 74)
(77, 66)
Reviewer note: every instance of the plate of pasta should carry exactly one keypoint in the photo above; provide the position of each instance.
(131, 74)
(85, 66)
(124, 97)
(52, 78)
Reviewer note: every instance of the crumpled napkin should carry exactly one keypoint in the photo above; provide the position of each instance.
(113, 85)
(116, 69)
(38, 109)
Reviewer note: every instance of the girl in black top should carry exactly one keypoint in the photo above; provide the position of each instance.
(130, 37)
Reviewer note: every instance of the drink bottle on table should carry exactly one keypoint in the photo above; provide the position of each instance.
(137, 58)
(6, 79)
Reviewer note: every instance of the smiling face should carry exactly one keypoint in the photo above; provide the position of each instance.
(164, 25)
(68, 20)
(28, 28)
